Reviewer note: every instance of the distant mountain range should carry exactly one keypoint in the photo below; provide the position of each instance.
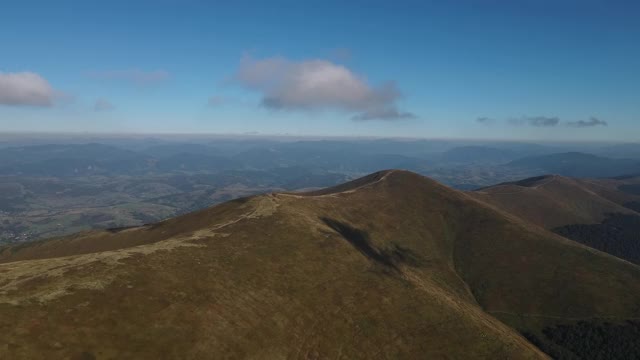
(348, 157)
(579, 165)
(391, 265)
(61, 188)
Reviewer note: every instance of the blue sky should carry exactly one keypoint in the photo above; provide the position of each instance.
(465, 69)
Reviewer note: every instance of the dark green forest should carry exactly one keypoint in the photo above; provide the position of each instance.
(634, 205)
(590, 340)
(618, 235)
(633, 189)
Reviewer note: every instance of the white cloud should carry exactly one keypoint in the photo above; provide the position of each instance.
(216, 100)
(485, 120)
(318, 84)
(537, 121)
(135, 76)
(545, 121)
(26, 89)
(593, 121)
(389, 113)
(103, 105)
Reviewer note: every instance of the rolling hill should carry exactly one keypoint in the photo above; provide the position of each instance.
(392, 265)
(70, 160)
(577, 164)
(479, 155)
(552, 200)
(601, 213)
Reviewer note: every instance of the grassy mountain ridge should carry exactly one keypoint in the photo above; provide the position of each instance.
(600, 213)
(552, 200)
(392, 265)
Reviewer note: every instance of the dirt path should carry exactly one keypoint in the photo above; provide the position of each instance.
(341, 192)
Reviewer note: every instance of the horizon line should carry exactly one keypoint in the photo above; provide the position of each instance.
(296, 136)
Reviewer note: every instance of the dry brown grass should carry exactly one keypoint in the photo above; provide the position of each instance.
(394, 266)
(557, 201)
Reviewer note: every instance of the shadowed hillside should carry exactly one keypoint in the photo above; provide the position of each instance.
(602, 213)
(617, 235)
(393, 265)
(552, 201)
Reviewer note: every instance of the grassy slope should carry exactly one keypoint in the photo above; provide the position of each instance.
(555, 201)
(397, 266)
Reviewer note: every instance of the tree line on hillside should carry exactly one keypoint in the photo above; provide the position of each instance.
(590, 340)
(618, 235)
(633, 205)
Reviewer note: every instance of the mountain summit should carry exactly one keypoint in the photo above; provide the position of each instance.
(392, 265)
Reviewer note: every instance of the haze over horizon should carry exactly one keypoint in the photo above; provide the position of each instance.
(320, 179)
(508, 70)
